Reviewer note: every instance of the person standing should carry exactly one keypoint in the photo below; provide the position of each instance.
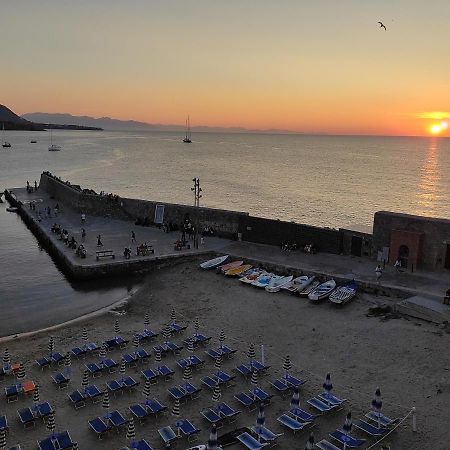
(83, 218)
(99, 241)
(35, 185)
(83, 234)
(133, 237)
(378, 272)
(397, 265)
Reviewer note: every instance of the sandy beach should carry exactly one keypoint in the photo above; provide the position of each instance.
(407, 359)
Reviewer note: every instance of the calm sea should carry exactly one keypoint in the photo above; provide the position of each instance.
(334, 181)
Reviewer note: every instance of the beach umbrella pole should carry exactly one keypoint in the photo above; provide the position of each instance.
(263, 356)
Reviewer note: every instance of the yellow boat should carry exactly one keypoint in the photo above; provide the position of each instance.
(238, 270)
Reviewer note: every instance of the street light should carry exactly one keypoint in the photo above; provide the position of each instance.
(197, 196)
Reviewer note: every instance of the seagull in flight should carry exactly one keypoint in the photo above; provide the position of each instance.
(382, 26)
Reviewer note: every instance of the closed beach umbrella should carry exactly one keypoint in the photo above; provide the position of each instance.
(122, 368)
(222, 337)
(2, 438)
(295, 400)
(251, 354)
(21, 372)
(187, 373)
(75, 446)
(377, 404)
(166, 332)
(6, 357)
(36, 394)
(261, 419)
(218, 363)
(196, 325)
(348, 424)
(173, 315)
(84, 334)
(190, 346)
(102, 352)
(147, 388)
(254, 378)
(51, 345)
(105, 402)
(328, 386)
(212, 441)
(85, 379)
(176, 408)
(116, 327)
(131, 431)
(51, 424)
(136, 341)
(310, 443)
(216, 393)
(147, 320)
(158, 355)
(287, 366)
(67, 362)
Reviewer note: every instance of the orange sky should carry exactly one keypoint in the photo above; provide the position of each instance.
(321, 66)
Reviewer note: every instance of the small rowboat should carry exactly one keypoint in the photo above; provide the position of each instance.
(263, 280)
(12, 209)
(238, 270)
(308, 289)
(343, 294)
(252, 277)
(322, 291)
(232, 265)
(213, 262)
(298, 284)
(277, 283)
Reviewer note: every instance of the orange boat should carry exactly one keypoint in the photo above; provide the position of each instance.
(238, 270)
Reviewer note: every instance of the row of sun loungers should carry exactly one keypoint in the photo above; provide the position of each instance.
(28, 416)
(151, 407)
(138, 445)
(219, 378)
(184, 391)
(58, 441)
(12, 392)
(220, 413)
(160, 372)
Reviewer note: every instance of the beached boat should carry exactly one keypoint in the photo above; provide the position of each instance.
(298, 284)
(238, 271)
(263, 280)
(5, 144)
(308, 289)
(277, 283)
(251, 277)
(343, 294)
(322, 291)
(187, 134)
(231, 265)
(210, 264)
(12, 209)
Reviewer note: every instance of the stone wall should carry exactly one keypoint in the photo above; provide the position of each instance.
(347, 238)
(436, 235)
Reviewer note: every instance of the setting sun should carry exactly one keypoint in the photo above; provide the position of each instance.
(436, 128)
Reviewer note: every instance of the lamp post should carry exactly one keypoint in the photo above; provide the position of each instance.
(197, 196)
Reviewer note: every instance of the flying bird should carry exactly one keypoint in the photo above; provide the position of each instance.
(382, 26)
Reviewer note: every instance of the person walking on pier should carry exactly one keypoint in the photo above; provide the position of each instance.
(133, 237)
(99, 241)
(83, 234)
(378, 273)
(83, 218)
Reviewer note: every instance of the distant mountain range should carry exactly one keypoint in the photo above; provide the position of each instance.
(114, 124)
(11, 121)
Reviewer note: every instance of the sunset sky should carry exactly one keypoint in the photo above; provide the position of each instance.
(311, 66)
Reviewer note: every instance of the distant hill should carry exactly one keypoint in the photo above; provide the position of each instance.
(132, 125)
(11, 121)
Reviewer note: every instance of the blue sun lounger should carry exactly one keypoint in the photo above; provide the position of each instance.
(291, 423)
(46, 444)
(78, 351)
(61, 380)
(26, 417)
(146, 334)
(346, 439)
(3, 423)
(369, 429)
(191, 390)
(331, 399)
(320, 406)
(225, 378)
(162, 349)
(265, 434)
(177, 328)
(210, 382)
(167, 434)
(57, 358)
(114, 386)
(150, 374)
(244, 370)
(256, 365)
(173, 347)
(43, 362)
(281, 386)
(93, 392)
(110, 364)
(226, 411)
(154, 406)
(116, 419)
(64, 441)
(293, 381)
(212, 417)
(165, 372)
(142, 355)
(130, 360)
(141, 445)
(77, 399)
(325, 445)
(129, 382)
(380, 418)
(116, 342)
(188, 429)
(261, 395)
(94, 369)
(177, 393)
(139, 412)
(250, 442)
(302, 415)
(92, 346)
(248, 402)
(42, 409)
(99, 426)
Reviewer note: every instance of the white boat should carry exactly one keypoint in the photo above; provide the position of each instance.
(298, 284)
(343, 294)
(251, 277)
(231, 265)
(263, 280)
(5, 144)
(187, 135)
(322, 291)
(210, 264)
(277, 283)
(53, 147)
(308, 289)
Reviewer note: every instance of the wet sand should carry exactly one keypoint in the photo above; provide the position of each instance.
(407, 359)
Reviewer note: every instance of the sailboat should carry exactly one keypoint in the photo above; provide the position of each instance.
(53, 147)
(5, 144)
(187, 136)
